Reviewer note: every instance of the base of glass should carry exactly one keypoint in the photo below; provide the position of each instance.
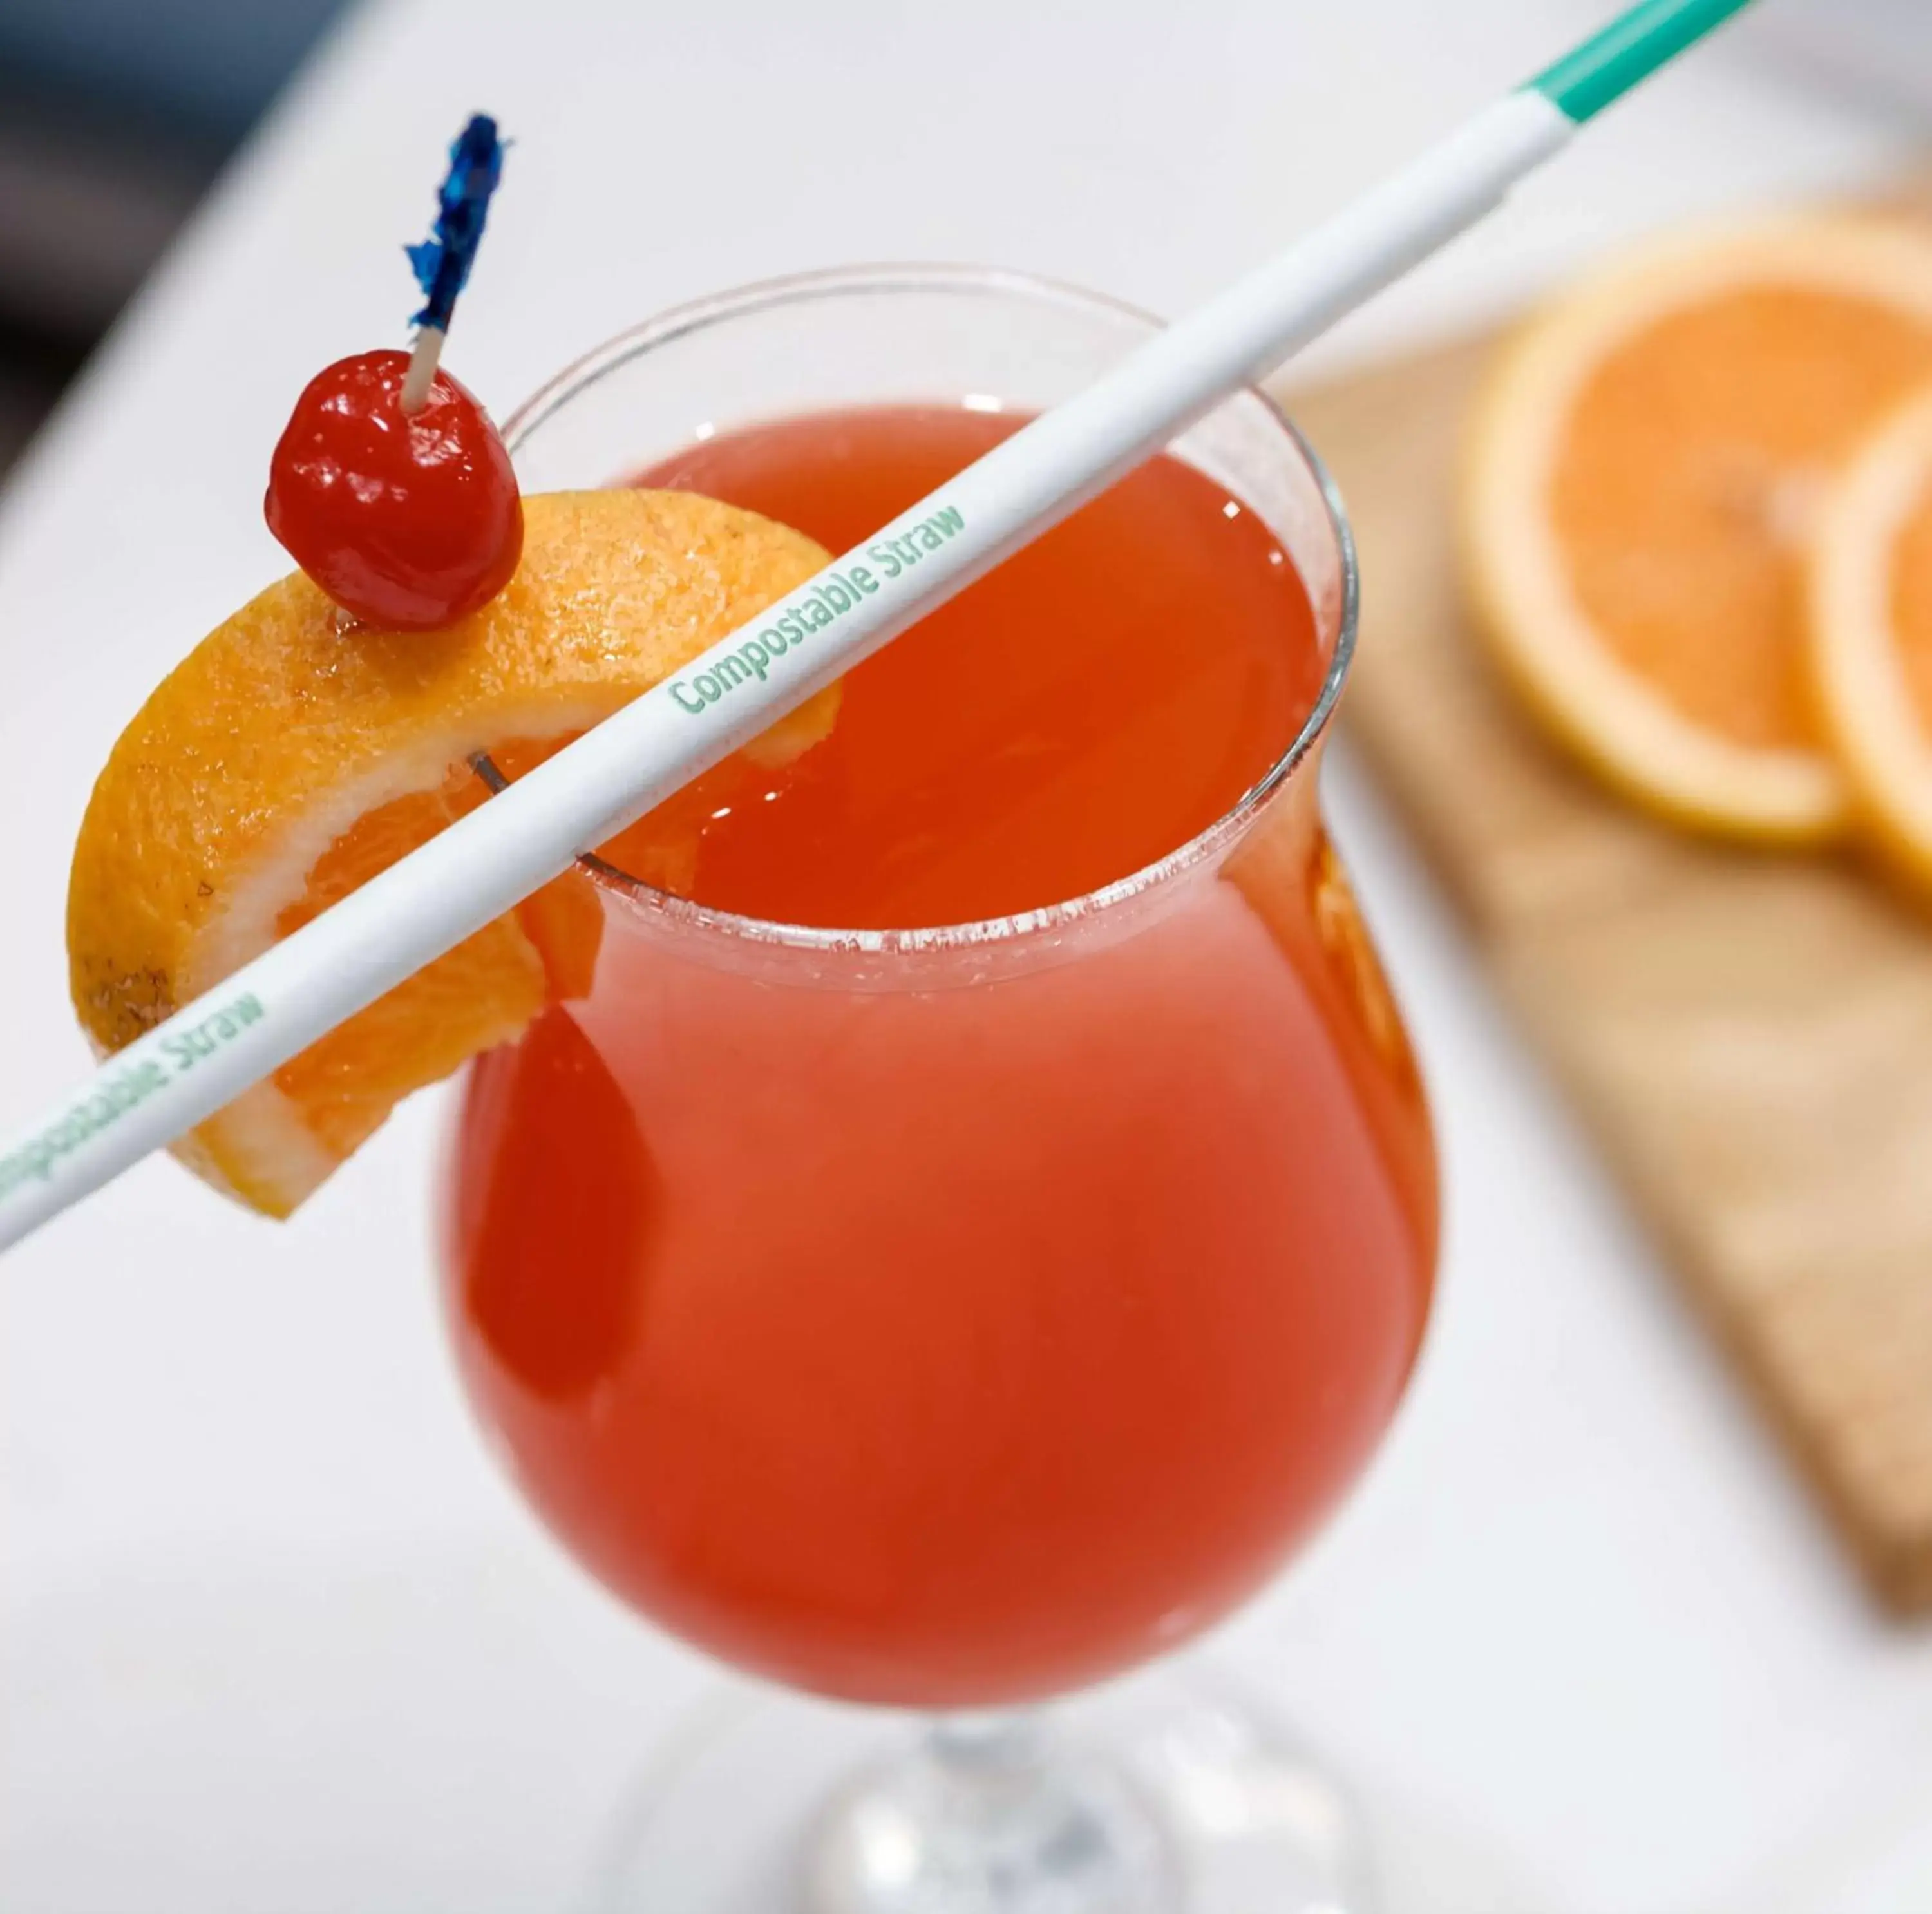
(1160, 1795)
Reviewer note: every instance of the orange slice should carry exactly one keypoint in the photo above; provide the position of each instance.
(287, 760)
(1870, 615)
(1642, 471)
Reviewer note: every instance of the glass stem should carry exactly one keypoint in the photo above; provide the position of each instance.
(992, 1772)
(990, 1816)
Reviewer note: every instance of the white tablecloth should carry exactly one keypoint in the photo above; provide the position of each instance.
(275, 1635)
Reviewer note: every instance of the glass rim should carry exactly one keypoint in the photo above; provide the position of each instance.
(833, 282)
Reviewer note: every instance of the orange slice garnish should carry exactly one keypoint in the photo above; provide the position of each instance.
(287, 760)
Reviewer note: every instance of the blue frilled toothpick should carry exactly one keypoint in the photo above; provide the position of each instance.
(442, 262)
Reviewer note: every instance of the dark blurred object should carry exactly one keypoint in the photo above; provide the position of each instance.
(87, 202)
(206, 67)
(115, 115)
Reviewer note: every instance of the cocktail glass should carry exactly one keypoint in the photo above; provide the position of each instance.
(949, 1319)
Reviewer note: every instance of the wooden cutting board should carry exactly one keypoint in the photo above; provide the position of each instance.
(1749, 1035)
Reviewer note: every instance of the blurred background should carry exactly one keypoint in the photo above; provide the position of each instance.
(116, 116)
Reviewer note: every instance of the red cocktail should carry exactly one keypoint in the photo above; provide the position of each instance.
(982, 1214)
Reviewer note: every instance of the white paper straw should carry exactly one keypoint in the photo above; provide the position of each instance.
(162, 1085)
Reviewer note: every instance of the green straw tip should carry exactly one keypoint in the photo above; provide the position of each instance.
(1631, 48)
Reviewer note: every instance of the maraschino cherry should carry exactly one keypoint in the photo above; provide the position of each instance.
(390, 487)
(409, 521)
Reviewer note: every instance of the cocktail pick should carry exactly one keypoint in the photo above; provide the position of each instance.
(442, 262)
(146, 1096)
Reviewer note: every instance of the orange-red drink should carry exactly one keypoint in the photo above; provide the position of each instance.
(951, 1319)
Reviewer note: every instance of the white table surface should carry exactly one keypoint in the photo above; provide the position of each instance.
(275, 1636)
